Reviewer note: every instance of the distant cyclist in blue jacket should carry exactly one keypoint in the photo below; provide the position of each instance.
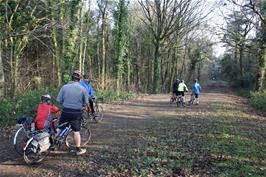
(196, 88)
(86, 83)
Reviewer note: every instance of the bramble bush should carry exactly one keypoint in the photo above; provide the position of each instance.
(246, 81)
(26, 103)
(258, 100)
(6, 112)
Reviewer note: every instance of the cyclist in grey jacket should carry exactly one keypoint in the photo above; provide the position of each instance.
(73, 98)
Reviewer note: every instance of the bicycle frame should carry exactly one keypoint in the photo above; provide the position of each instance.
(98, 110)
(192, 99)
(63, 134)
(27, 144)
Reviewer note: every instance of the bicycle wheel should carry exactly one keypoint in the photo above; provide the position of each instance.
(85, 135)
(98, 113)
(20, 139)
(178, 102)
(171, 100)
(31, 155)
(85, 118)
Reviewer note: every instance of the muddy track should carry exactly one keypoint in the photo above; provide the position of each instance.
(117, 132)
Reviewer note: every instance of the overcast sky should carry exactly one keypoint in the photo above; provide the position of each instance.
(221, 10)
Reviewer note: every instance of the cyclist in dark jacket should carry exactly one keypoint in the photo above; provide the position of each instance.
(174, 91)
(175, 87)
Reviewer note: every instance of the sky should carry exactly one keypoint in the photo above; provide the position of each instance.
(216, 22)
(222, 9)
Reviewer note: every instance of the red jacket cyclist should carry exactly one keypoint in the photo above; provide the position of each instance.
(45, 113)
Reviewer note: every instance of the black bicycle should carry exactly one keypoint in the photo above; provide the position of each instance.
(173, 99)
(23, 133)
(97, 116)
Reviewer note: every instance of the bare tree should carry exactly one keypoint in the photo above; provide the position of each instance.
(258, 8)
(103, 7)
(2, 78)
(166, 17)
(239, 26)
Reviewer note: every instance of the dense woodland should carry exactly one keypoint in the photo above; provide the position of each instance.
(129, 45)
(137, 49)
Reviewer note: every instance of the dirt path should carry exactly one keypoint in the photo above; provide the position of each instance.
(148, 136)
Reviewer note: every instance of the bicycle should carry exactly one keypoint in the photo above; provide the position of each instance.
(41, 144)
(173, 99)
(192, 99)
(24, 132)
(180, 101)
(97, 116)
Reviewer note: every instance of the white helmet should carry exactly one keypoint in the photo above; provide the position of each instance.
(45, 97)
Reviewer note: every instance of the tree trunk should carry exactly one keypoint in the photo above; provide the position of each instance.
(98, 60)
(103, 50)
(57, 57)
(149, 73)
(260, 76)
(128, 73)
(241, 50)
(56, 45)
(17, 45)
(138, 66)
(81, 66)
(157, 66)
(199, 71)
(165, 78)
(16, 74)
(172, 76)
(235, 54)
(11, 73)
(259, 79)
(173, 69)
(81, 62)
(181, 74)
(84, 55)
(2, 75)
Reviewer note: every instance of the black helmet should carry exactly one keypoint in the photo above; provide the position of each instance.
(85, 76)
(45, 98)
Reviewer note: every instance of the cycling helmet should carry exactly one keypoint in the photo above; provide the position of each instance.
(85, 76)
(77, 75)
(45, 98)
